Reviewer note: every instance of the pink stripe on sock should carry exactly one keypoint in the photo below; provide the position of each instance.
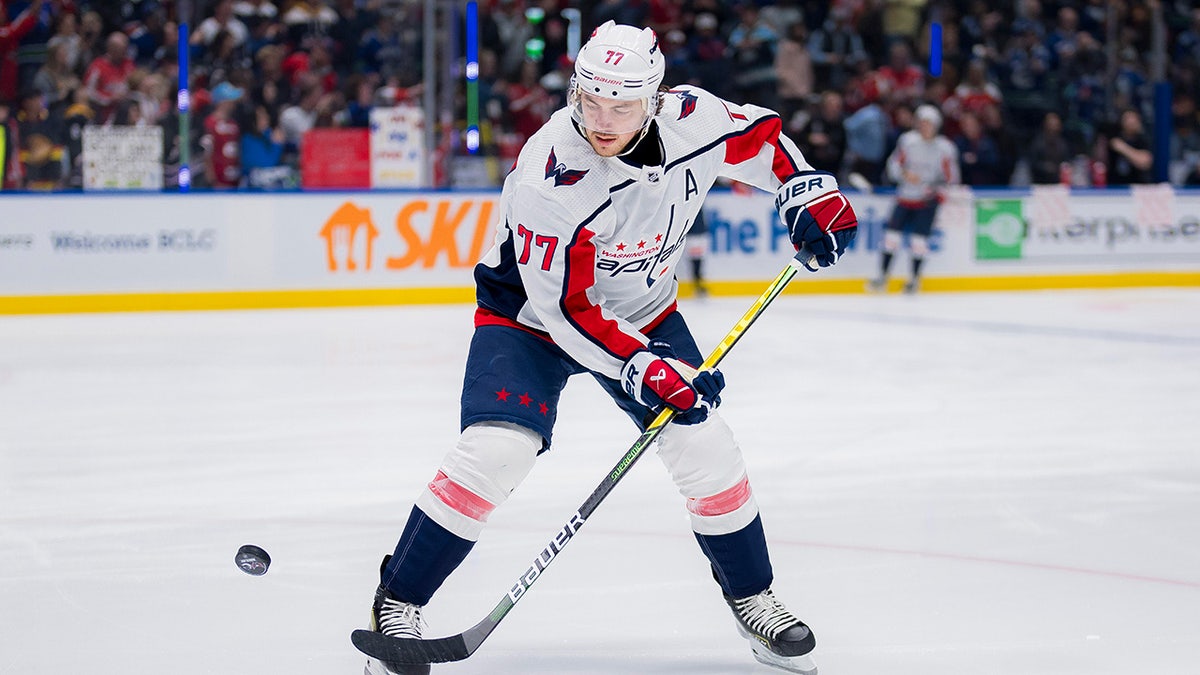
(723, 502)
(460, 498)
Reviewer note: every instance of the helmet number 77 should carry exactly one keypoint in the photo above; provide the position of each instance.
(614, 57)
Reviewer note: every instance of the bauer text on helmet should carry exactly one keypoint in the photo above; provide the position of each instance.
(620, 63)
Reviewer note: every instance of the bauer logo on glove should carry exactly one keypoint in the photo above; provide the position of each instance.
(819, 218)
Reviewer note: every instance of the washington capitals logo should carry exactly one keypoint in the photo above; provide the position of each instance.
(561, 174)
(689, 102)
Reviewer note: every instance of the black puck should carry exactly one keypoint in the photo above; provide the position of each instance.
(252, 560)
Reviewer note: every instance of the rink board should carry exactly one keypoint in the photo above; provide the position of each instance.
(131, 252)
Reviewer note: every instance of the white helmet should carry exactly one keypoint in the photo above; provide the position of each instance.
(622, 63)
(928, 113)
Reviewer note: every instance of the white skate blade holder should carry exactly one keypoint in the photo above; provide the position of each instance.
(802, 664)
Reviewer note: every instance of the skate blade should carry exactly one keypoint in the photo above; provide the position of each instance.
(793, 664)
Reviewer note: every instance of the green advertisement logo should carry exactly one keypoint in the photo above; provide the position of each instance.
(999, 229)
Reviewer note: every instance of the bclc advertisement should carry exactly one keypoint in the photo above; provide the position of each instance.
(81, 245)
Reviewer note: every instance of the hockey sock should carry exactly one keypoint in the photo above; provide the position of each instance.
(739, 559)
(885, 263)
(426, 554)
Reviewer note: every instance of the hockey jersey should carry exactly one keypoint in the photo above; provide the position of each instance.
(934, 162)
(586, 246)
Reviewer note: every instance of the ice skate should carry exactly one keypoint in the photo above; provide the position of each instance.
(876, 285)
(397, 619)
(912, 286)
(776, 636)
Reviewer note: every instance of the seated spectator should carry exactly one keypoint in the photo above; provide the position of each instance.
(65, 33)
(706, 52)
(305, 18)
(1048, 151)
(867, 132)
(1129, 156)
(106, 79)
(222, 139)
(835, 47)
(42, 139)
(793, 72)
(900, 78)
(978, 155)
(823, 137)
(55, 80)
(223, 20)
(752, 45)
(262, 148)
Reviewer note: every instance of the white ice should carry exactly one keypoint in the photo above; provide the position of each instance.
(952, 484)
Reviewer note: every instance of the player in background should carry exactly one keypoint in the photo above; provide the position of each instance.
(921, 164)
(697, 247)
(581, 279)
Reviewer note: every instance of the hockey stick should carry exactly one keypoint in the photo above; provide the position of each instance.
(458, 647)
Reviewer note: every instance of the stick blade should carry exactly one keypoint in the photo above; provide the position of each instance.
(411, 651)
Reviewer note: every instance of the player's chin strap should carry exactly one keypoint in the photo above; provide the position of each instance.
(459, 647)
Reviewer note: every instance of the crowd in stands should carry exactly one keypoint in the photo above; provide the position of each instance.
(1031, 91)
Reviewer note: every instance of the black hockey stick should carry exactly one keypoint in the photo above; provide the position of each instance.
(458, 647)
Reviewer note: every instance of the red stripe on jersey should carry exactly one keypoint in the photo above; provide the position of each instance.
(586, 316)
(749, 143)
(486, 317)
(723, 502)
(460, 498)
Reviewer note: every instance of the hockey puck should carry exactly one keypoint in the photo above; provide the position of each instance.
(252, 560)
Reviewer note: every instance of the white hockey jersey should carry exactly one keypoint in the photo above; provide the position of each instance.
(586, 247)
(935, 162)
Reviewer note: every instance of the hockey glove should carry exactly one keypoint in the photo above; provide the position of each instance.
(656, 378)
(819, 218)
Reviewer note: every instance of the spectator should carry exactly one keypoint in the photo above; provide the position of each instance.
(1049, 151)
(866, 132)
(222, 139)
(823, 137)
(262, 147)
(41, 144)
(752, 52)
(223, 20)
(1027, 87)
(55, 80)
(106, 79)
(10, 38)
(307, 18)
(793, 72)
(529, 102)
(353, 22)
(77, 115)
(900, 79)
(91, 37)
(151, 94)
(837, 48)
(297, 119)
(706, 52)
(10, 166)
(65, 34)
(978, 155)
(1129, 156)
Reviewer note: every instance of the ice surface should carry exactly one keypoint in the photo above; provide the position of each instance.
(952, 484)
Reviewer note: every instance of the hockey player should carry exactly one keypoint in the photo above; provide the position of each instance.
(581, 279)
(921, 164)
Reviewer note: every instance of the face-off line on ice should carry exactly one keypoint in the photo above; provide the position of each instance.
(580, 279)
